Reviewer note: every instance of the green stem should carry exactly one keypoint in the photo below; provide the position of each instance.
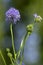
(22, 45)
(11, 61)
(24, 41)
(2, 57)
(21, 60)
(15, 61)
(12, 40)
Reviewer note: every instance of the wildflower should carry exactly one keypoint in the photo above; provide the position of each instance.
(12, 15)
(37, 18)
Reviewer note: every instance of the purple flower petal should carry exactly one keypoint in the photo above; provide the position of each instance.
(35, 15)
(12, 15)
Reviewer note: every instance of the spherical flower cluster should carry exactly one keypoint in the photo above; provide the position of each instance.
(30, 28)
(37, 18)
(12, 15)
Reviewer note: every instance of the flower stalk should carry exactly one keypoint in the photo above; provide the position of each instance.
(3, 57)
(12, 41)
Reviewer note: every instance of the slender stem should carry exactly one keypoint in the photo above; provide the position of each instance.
(22, 45)
(15, 61)
(12, 39)
(21, 60)
(2, 57)
(11, 61)
(24, 41)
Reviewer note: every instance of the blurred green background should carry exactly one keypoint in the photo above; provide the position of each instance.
(33, 51)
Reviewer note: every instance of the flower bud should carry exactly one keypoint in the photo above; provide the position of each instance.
(30, 28)
(7, 49)
(9, 54)
(37, 18)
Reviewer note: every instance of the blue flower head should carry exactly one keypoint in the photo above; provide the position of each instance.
(12, 15)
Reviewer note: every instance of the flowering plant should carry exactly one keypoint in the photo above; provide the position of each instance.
(13, 15)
